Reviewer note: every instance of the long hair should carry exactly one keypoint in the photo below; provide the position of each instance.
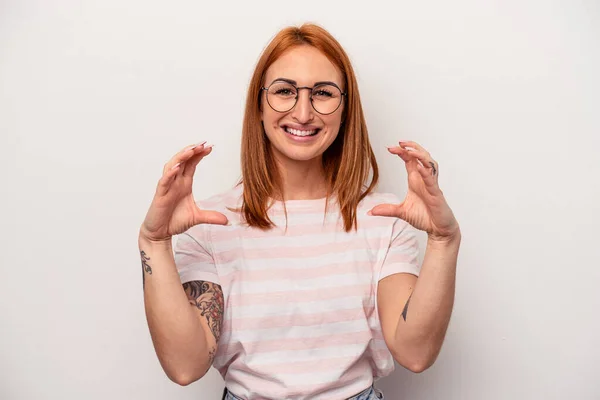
(348, 163)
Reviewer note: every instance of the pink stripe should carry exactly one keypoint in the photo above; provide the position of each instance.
(307, 343)
(271, 274)
(250, 299)
(220, 235)
(284, 321)
(325, 249)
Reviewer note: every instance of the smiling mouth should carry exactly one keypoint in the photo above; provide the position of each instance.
(300, 132)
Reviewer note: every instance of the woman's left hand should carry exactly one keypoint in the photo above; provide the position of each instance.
(424, 207)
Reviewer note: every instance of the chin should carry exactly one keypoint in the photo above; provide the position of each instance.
(295, 155)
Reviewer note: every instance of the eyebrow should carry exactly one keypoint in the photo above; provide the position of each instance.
(293, 82)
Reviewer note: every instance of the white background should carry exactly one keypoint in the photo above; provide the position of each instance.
(96, 96)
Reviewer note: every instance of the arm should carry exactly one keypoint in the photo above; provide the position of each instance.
(414, 322)
(415, 313)
(184, 322)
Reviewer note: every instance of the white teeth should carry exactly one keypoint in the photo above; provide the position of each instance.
(297, 132)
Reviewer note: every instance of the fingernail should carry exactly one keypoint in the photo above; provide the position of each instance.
(175, 166)
(194, 146)
(208, 145)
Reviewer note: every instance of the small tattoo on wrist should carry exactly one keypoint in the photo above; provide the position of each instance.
(145, 267)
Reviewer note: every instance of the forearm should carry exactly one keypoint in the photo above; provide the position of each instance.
(177, 334)
(423, 323)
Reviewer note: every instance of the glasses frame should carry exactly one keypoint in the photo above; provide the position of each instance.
(298, 88)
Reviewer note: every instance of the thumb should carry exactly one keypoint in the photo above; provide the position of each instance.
(386, 210)
(212, 217)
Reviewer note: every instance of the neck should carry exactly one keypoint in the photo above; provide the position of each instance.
(303, 180)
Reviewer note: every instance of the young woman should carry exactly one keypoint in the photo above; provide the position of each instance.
(301, 281)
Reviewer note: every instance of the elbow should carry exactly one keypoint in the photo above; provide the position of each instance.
(183, 379)
(185, 371)
(418, 366)
(417, 362)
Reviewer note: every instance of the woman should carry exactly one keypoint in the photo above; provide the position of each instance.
(302, 280)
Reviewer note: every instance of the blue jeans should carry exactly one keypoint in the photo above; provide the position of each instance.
(369, 393)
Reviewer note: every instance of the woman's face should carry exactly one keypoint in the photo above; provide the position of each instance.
(301, 134)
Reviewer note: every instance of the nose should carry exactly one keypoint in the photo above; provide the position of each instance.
(303, 110)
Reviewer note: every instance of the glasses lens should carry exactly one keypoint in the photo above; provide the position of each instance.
(326, 98)
(281, 96)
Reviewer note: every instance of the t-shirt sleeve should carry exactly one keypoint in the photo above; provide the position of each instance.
(193, 257)
(403, 251)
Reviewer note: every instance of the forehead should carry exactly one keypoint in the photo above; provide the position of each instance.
(305, 65)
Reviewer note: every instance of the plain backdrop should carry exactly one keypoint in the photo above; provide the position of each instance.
(96, 96)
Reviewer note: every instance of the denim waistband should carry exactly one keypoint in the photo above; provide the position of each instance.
(367, 394)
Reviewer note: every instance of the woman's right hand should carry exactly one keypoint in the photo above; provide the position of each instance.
(173, 209)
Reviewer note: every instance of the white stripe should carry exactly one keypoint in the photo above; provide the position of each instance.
(313, 307)
(243, 287)
(322, 377)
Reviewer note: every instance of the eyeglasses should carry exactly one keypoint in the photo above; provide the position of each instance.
(325, 97)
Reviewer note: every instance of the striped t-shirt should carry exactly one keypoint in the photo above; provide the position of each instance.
(300, 319)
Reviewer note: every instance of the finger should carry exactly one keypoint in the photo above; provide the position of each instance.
(410, 161)
(194, 150)
(173, 170)
(414, 145)
(183, 155)
(425, 160)
(190, 165)
(167, 179)
(400, 152)
(385, 210)
(428, 178)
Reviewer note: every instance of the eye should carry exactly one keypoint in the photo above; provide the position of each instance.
(326, 92)
(322, 93)
(282, 90)
(285, 92)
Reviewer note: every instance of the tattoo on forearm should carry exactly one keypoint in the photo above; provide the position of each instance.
(405, 311)
(211, 355)
(208, 298)
(145, 267)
